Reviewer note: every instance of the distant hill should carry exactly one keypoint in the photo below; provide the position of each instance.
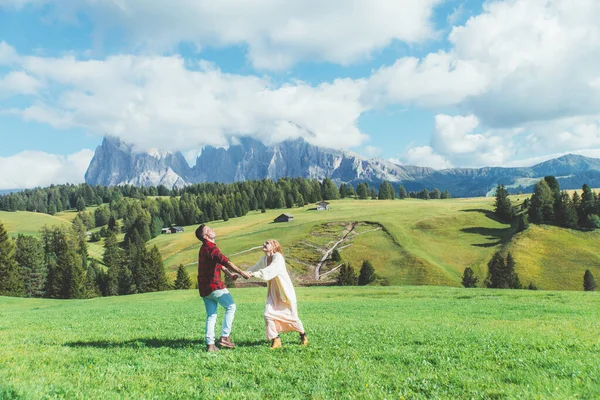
(116, 163)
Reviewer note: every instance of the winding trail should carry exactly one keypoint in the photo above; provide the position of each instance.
(328, 252)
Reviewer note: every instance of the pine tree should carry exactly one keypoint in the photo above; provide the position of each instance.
(367, 273)
(566, 213)
(183, 280)
(11, 283)
(435, 194)
(158, 277)
(342, 190)
(503, 206)
(445, 195)
(496, 268)
(92, 287)
(80, 204)
(30, 257)
(66, 272)
(501, 273)
(133, 275)
(112, 259)
(402, 192)
(347, 276)
(336, 256)
(541, 206)
(589, 283)
(373, 194)
(156, 227)
(126, 282)
(329, 190)
(511, 274)
(523, 223)
(101, 216)
(79, 234)
(298, 199)
(362, 191)
(469, 280)
(587, 207)
(386, 191)
(350, 190)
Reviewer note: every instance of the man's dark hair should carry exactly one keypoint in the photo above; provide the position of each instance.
(200, 232)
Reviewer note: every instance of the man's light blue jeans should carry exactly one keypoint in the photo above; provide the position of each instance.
(223, 298)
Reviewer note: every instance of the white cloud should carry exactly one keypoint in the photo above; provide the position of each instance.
(425, 156)
(8, 55)
(542, 57)
(373, 151)
(277, 33)
(567, 134)
(30, 169)
(155, 101)
(455, 143)
(452, 134)
(18, 82)
(437, 80)
(457, 14)
(454, 139)
(521, 67)
(518, 62)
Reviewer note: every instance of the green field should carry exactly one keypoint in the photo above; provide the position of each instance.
(409, 242)
(418, 242)
(365, 342)
(29, 223)
(69, 215)
(423, 242)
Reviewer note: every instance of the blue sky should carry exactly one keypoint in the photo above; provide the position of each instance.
(455, 83)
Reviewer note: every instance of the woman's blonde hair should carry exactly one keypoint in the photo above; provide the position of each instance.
(276, 246)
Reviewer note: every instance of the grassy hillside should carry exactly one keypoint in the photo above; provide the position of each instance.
(409, 242)
(419, 242)
(29, 223)
(69, 215)
(556, 258)
(365, 342)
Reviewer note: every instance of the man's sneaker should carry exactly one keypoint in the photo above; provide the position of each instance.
(276, 343)
(303, 339)
(225, 341)
(211, 348)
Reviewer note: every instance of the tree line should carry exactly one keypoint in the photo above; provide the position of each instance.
(193, 204)
(57, 265)
(550, 205)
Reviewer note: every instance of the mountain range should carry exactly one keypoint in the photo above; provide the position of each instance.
(117, 163)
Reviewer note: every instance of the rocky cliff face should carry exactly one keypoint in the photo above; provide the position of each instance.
(116, 163)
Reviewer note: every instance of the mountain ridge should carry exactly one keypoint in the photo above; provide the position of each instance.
(116, 163)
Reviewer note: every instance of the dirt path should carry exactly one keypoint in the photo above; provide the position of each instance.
(328, 252)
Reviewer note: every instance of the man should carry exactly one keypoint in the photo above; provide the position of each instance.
(212, 289)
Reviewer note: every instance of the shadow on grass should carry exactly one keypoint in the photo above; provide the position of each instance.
(495, 236)
(155, 343)
(488, 213)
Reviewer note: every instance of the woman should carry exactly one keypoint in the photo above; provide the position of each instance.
(281, 310)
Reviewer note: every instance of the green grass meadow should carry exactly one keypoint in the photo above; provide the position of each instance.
(409, 242)
(365, 342)
(423, 242)
(419, 243)
(29, 223)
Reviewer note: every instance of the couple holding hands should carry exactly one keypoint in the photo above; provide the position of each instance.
(281, 310)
